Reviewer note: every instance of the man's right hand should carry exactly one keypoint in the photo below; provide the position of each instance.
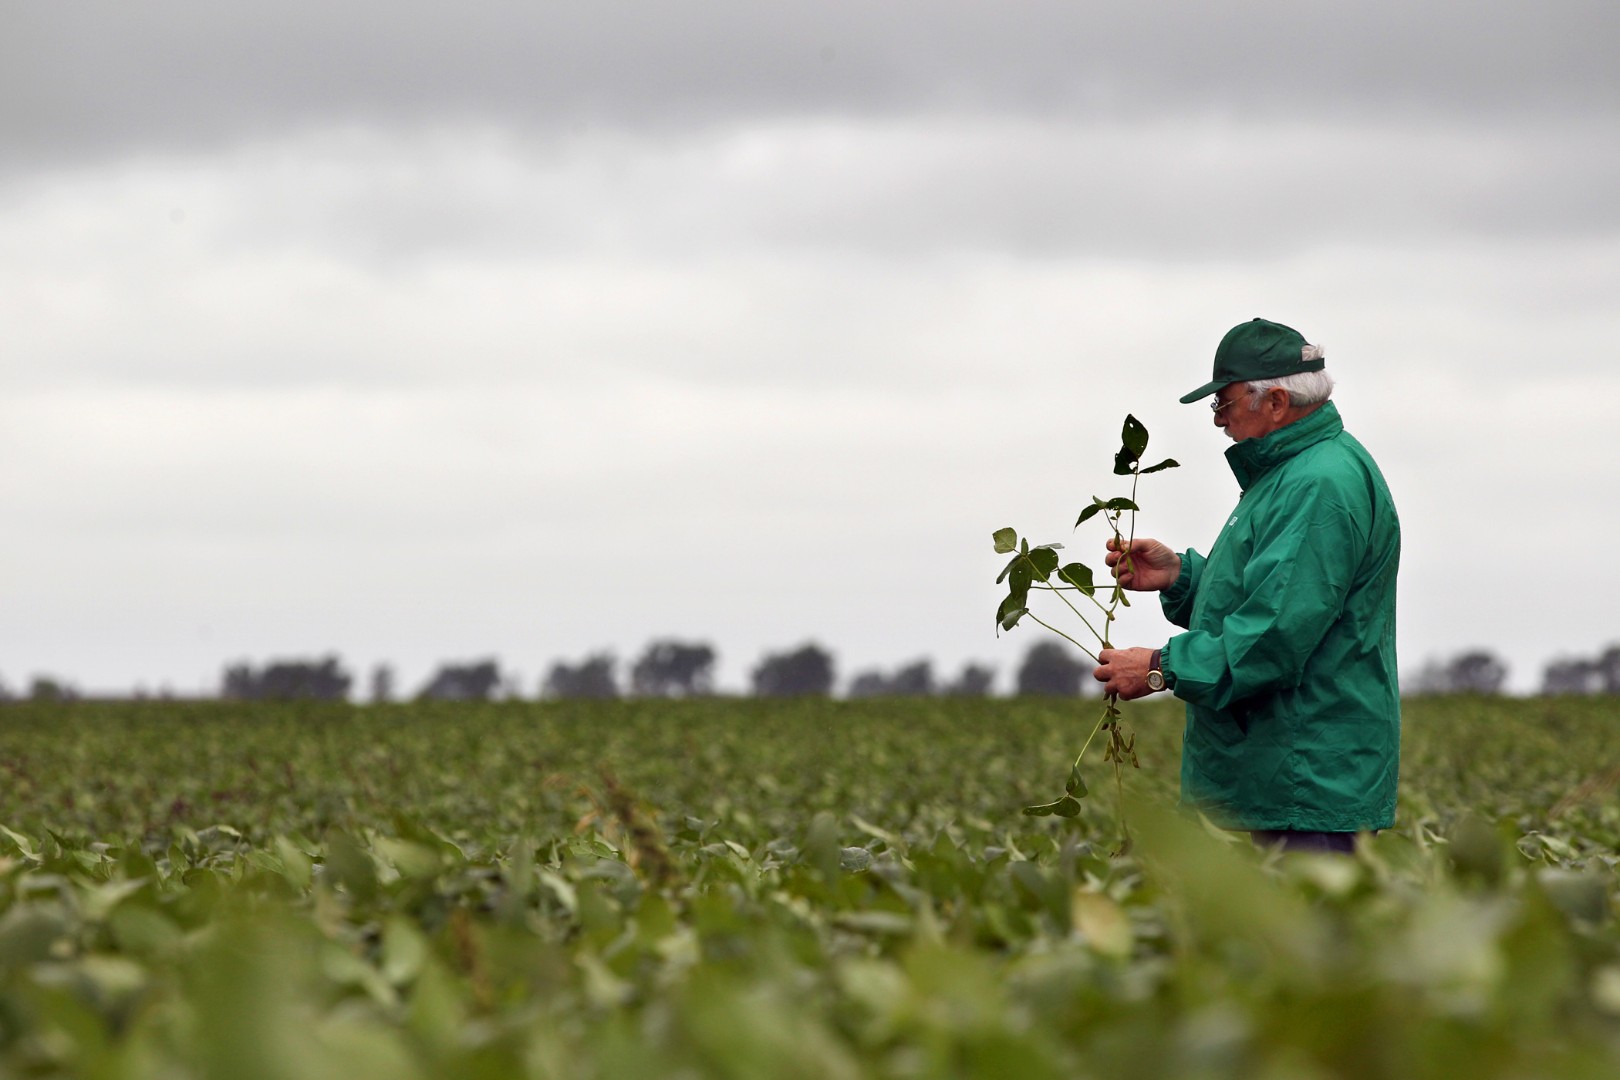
(1152, 566)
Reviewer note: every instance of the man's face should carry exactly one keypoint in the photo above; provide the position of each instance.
(1234, 416)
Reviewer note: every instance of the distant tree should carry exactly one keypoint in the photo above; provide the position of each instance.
(47, 688)
(5, 691)
(1049, 668)
(1476, 671)
(807, 670)
(673, 669)
(1570, 676)
(239, 684)
(915, 679)
(592, 677)
(974, 680)
(382, 683)
(476, 681)
(1578, 675)
(867, 684)
(288, 680)
(1608, 670)
(911, 680)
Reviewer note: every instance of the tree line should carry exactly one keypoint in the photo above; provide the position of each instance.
(1480, 671)
(666, 668)
(672, 668)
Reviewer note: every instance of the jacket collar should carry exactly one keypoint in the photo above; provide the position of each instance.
(1253, 458)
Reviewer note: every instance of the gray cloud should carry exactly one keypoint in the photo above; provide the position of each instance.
(780, 256)
(1173, 189)
(97, 79)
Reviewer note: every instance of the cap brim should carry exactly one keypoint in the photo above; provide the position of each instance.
(1203, 391)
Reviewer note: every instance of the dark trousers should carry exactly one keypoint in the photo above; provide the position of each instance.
(1343, 843)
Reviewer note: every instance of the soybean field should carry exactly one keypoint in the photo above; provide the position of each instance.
(799, 888)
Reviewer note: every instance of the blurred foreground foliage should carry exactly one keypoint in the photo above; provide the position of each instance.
(800, 888)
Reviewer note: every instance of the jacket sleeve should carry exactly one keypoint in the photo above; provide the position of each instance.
(1307, 547)
(1177, 600)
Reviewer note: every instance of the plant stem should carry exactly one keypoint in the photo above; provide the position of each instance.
(1135, 476)
(1092, 596)
(1077, 613)
(1096, 728)
(1064, 636)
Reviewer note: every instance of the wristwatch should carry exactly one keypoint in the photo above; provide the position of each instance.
(1155, 677)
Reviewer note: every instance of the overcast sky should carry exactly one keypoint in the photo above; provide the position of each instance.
(421, 332)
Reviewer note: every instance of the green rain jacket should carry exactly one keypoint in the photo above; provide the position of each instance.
(1288, 663)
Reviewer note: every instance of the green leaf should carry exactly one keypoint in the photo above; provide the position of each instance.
(1089, 511)
(1068, 807)
(1134, 436)
(349, 864)
(1167, 463)
(1016, 603)
(1135, 439)
(1078, 575)
(1005, 570)
(1043, 561)
(1006, 540)
(1077, 783)
(1121, 503)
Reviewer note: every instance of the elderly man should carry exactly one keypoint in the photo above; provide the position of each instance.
(1287, 665)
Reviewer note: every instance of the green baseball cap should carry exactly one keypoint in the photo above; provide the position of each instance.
(1257, 349)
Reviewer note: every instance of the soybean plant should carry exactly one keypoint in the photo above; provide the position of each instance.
(1037, 568)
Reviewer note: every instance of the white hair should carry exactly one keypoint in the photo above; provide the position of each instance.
(1304, 387)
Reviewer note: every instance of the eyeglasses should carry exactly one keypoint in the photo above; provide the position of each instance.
(1217, 405)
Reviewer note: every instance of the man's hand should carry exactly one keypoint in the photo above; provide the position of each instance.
(1152, 567)
(1124, 671)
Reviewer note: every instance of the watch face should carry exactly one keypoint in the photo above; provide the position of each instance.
(1155, 680)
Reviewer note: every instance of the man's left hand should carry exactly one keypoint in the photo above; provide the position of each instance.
(1124, 672)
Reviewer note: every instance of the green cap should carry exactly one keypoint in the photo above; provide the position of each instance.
(1258, 349)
